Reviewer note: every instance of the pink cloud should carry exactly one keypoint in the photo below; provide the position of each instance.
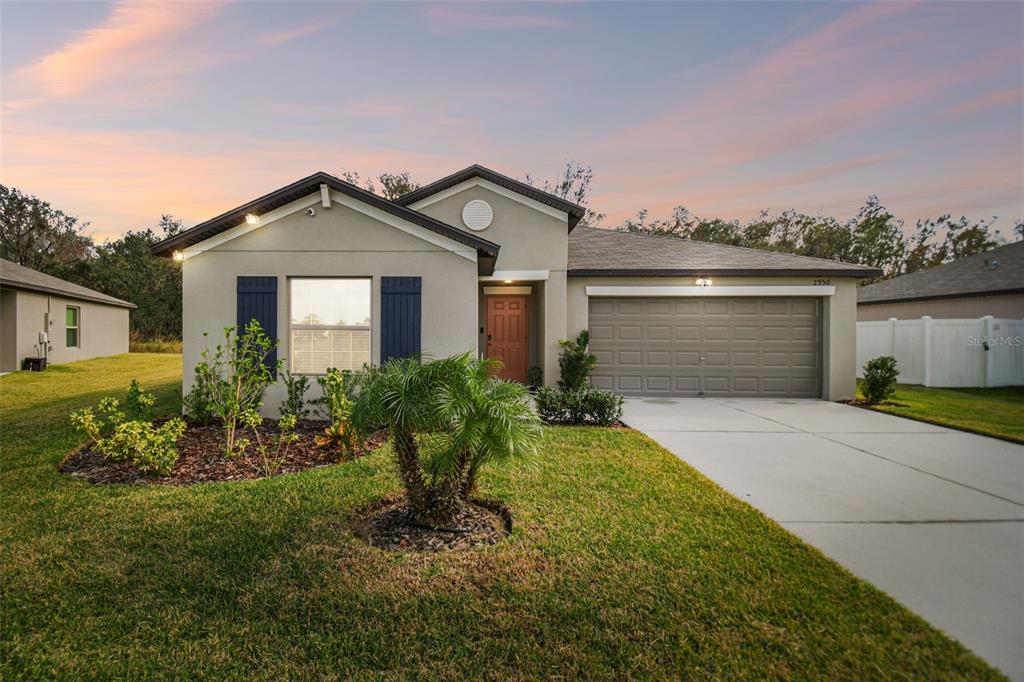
(990, 100)
(447, 18)
(134, 34)
(308, 28)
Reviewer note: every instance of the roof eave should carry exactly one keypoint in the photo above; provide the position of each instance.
(938, 297)
(53, 291)
(721, 272)
(235, 216)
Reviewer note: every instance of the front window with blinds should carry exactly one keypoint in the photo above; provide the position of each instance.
(330, 324)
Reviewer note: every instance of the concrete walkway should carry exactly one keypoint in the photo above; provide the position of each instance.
(933, 516)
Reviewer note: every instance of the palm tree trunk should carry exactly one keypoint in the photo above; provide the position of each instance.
(469, 482)
(407, 456)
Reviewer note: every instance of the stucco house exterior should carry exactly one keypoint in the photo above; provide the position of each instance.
(80, 323)
(480, 261)
(988, 283)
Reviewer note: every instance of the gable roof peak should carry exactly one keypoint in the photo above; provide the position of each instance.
(574, 211)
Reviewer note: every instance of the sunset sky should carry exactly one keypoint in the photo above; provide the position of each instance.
(118, 112)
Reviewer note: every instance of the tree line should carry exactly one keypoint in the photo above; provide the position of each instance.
(35, 234)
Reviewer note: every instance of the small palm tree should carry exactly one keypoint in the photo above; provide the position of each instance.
(455, 410)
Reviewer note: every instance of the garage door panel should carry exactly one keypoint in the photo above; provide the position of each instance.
(751, 346)
(688, 332)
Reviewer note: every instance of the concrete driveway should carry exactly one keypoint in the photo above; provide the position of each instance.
(933, 516)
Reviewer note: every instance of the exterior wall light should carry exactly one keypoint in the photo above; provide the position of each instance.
(179, 256)
(703, 282)
(252, 219)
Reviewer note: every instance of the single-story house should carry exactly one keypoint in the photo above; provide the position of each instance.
(78, 323)
(478, 260)
(988, 283)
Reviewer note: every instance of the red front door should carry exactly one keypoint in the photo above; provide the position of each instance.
(506, 335)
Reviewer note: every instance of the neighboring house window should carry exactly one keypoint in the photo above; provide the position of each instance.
(330, 324)
(71, 317)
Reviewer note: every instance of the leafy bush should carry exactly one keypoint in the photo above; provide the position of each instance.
(575, 363)
(148, 447)
(582, 406)
(231, 380)
(338, 389)
(880, 375)
(603, 408)
(295, 402)
(139, 403)
(273, 451)
(535, 377)
(206, 387)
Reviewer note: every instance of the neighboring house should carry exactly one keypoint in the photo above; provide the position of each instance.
(989, 283)
(480, 261)
(79, 323)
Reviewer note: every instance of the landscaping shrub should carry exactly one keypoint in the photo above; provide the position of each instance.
(295, 402)
(535, 377)
(139, 403)
(338, 389)
(575, 363)
(206, 386)
(148, 447)
(603, 408)
(231, 380)
(880, 375)
(272, 452)
(582, 406)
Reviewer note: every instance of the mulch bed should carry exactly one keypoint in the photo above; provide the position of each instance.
(387, 524)
(200, 459)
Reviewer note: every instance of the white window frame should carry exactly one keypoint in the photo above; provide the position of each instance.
(77, 327)
(291, 351)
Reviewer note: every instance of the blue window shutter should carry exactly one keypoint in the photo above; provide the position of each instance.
(400, 317)
(257, 300)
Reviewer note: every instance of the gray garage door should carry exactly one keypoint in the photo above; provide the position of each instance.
(707, 346)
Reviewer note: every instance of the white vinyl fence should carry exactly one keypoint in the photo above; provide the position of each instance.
(962, 353)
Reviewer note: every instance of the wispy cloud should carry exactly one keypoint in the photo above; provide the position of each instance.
(133, 36)
(308, 28)
(447, 18)
(990, 100)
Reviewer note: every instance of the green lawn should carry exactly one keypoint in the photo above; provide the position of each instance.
(989, 411)
(624, 563)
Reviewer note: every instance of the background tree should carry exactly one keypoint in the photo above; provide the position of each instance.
(877, 238)
(38, 236)
(392, 185)
(572, 184)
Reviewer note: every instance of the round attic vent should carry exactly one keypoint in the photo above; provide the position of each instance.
(477, 214)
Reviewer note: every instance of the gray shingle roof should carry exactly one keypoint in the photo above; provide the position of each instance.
(600, 252)
(16, 276)
(997, 271)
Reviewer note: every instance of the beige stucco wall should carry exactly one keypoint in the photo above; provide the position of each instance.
(530, 239)
(103, 328)
(839, 319)
(1008, 306)
(8, 330)
(336, 242)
